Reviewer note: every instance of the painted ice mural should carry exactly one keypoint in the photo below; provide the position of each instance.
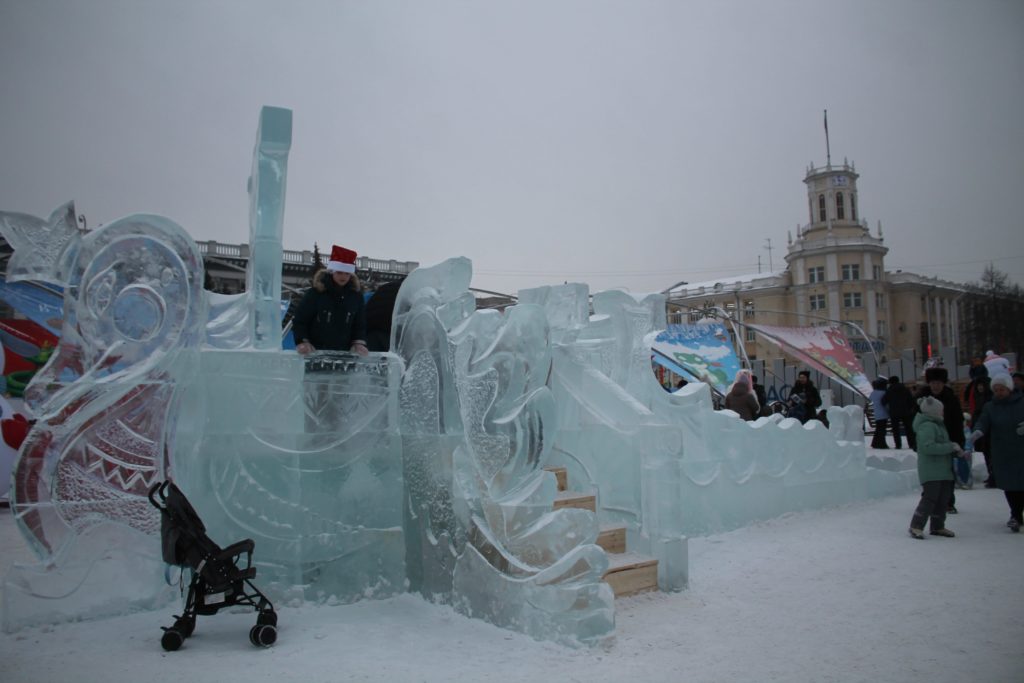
(421, 469)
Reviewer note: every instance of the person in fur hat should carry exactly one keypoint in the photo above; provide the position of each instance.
(741, 398)
(332, 313)
(935, 452)
(996, 364)
(952, 413)
(1002, 420)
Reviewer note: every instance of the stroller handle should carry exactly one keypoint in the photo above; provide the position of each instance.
(160, 486)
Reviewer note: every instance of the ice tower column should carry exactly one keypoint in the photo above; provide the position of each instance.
(266, 225)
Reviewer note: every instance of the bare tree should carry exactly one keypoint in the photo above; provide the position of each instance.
(993, 315)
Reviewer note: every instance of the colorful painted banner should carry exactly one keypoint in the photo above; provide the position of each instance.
(697, 351)
(40, 303)
(825, 348)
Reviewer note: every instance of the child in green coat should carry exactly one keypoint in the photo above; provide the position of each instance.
(934, 453)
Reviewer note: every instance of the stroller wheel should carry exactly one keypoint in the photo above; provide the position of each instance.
(262, 635)
(171, 640)
(185, 626)
(268, 617)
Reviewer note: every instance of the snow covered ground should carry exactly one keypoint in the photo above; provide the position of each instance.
(842, 595)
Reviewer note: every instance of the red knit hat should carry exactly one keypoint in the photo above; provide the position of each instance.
(342, 260)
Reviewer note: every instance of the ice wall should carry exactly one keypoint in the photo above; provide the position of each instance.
(303, 456)
(668, 465)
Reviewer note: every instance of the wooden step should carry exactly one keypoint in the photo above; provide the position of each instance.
(561, 476)
(575, 499)
(631, 573)
(612, 538)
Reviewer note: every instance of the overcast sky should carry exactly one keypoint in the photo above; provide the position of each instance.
(623, 144)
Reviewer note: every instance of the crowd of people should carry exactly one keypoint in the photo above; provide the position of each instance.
(942, 428)
(990, 420)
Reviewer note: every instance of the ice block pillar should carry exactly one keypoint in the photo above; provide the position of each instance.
(266, 225)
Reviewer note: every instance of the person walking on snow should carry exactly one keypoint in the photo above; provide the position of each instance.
(935, 452)
(952, 413)
(1002, 421)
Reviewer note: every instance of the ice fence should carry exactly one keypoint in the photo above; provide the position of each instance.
(421, 469)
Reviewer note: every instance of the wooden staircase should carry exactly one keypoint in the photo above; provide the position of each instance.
(628, 573)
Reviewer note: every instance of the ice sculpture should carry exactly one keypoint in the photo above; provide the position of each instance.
(105, 404)
(422, 469)
(477, 419)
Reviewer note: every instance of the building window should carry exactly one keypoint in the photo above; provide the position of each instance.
(817, 302)
(696, 315)
(851, 271)
(748, 308)
(816, 274)
(881, 328)
(821, 208)
(840, 209)
(851, 300)
(879, 300)
(853, 207)
(750, 337)
(876, 272)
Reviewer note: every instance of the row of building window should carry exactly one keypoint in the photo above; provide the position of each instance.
(851, 271)
(840, 207)
(850, 300)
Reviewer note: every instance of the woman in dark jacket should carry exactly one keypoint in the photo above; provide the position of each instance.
(1002, 421)
(900, 403)
(804, 398)
(332, 314)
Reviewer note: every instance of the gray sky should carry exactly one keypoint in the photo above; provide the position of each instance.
(623, 144)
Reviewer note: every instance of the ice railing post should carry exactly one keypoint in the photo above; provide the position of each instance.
(266, 225)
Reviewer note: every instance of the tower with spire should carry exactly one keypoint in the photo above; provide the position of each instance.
(837, 266)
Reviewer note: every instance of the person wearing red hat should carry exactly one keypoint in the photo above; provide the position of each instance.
(332, 314)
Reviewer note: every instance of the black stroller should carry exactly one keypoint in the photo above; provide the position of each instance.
(217, 581)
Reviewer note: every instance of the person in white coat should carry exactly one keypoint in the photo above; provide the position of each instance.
(996, 364)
